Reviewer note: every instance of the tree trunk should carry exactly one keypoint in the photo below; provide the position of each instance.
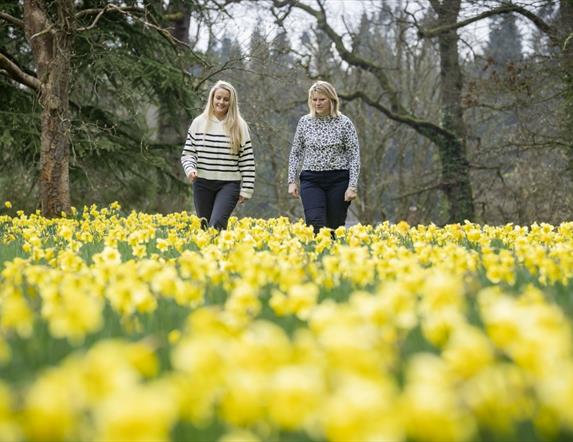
(173, 124)
(182, 21)
(566, 33)
(455, 181)
(51, 42)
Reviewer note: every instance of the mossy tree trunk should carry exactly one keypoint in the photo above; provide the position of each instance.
(566, 42)
(455, 180)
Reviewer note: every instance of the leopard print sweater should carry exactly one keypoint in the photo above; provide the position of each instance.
(325, 143)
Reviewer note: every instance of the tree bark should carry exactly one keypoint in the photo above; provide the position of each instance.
(51, 43)
(455, 180)
(566, 43)
(172, 125)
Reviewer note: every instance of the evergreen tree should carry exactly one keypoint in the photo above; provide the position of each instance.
(230, 51)
(122, 63)
(504, 45)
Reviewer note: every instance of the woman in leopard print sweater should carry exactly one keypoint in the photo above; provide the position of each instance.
(326, 149)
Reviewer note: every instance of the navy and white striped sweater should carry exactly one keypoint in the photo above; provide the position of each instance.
(208, 151)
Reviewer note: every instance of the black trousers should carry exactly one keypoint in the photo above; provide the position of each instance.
(215, 200)
(322, 195)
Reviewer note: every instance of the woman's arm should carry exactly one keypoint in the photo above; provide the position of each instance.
(353, 152)
(189, 154)
(247, 166)
(296, 151)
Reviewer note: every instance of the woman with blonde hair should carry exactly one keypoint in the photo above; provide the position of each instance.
(218, 158)
(326, 148)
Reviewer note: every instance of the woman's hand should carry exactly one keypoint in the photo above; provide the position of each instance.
(293, 190)
(350, 194)
(242, 199)
(192, 176)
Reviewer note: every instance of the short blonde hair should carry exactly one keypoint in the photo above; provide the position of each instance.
(324, 88)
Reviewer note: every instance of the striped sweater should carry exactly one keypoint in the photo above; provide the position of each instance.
(207, 150)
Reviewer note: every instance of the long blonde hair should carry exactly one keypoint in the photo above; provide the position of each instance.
(233, 121)
(324, 88)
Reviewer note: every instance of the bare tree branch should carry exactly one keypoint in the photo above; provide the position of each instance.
(504, 9)
(423, 127)
(417, 192)
(100, 11)
(109, 7)
(347, 55)
(225, 66)
(18, 74)
(46, 30)
(12, 20)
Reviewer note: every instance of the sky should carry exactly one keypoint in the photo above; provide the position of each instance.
(245, 18)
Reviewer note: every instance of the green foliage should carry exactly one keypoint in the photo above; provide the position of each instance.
(126, 77)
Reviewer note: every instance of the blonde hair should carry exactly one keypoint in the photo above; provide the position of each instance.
(233, 121)
(324, 88)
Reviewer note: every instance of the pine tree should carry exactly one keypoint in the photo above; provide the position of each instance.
(505, 41)
(114, 69)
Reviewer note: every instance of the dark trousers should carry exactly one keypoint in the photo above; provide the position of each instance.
(322, 195)
(215, 200)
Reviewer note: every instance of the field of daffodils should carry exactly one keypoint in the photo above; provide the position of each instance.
(122, 326)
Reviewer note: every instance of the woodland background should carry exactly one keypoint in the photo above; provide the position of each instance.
(96, 98)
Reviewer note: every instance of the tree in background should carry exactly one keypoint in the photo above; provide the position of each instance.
(417, 188)
(448, 134)
(515, 109)
(565, 24)
(136, 83)
(461, 151)
(275, 92)
(89, 75)
(504, 41)
(49, 32)
(398, 177)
